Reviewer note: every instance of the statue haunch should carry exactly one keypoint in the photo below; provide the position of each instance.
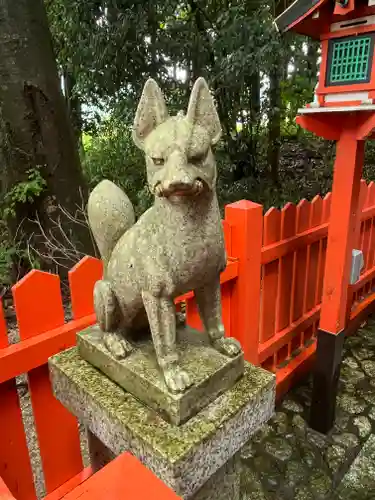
(175, 246)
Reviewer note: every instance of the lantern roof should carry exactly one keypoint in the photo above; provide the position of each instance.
(313, 17)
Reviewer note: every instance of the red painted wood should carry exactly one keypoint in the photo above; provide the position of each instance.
(315, 253)
(370, 204)
(226, 302)
(281, 338)
(287, 278)
(38, 305)
(303, 222)
(70, 485)
(344, 218)
(82, 278)
(245, 219)
(272, 227)
(33, 352)
(227, 230)
(192, 314)
(325, 126)
(287, 377)
(293, 244)
(15, 467)
(5, 493)
(123, 478)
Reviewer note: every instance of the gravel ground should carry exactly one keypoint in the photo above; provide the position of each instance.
(286, 460)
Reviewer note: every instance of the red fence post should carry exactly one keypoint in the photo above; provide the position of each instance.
(246, 220)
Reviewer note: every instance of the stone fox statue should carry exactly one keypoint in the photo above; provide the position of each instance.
(175, 246)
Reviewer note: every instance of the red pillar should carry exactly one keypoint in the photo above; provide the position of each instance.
(349, 129)
(344, 218)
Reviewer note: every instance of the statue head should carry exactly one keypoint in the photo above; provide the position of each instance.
(178, 149)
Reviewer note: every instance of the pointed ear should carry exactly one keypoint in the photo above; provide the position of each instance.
(151, 112)
(202, 111)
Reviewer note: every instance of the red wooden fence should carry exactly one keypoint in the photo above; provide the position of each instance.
(271, 294)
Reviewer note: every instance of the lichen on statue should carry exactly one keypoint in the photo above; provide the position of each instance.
(175, 246)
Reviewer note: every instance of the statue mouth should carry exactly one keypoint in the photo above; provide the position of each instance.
(180, 190)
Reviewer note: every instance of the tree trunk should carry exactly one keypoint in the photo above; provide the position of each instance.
(73, 104)
(35, 134)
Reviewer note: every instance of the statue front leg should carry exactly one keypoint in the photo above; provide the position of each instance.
(161, 313)
(209, 306)
(108, 315)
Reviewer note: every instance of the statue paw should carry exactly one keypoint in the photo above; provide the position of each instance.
(177, 380)
(228, 346)
(117, 345)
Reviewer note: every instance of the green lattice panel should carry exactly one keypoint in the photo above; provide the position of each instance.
(350, 60)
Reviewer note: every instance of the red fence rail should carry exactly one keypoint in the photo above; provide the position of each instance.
(271, 294)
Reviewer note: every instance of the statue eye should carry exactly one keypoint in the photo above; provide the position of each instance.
(197, 158)
(158, 161)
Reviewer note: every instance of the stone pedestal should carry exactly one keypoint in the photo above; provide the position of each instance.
(211, 372)
(196, 459)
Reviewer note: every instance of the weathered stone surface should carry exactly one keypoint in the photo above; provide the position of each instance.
(363, 425)
(251, 487)
(248, 451)
(369, 367)
(346, 440)
(291, 405)
(174, 247)
(261, 434)
(335, 456)
(362, 353)
(350, 404)
(351, 375)
(320, 483)
(316, 438)
(100, 455)
(211, 372)
(224, 484)
(279, 448)
(303, 493)
(184, 456)
(299, 425)
(372, 413)
(279, 422)
(351, 362)
(295, 472)
(341, 421)
(369, 397)
(358, 483)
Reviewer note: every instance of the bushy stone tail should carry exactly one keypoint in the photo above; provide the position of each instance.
(110, 214)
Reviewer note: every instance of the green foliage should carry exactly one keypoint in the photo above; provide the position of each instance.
(12, 251)
(24, 192)
(111, 154)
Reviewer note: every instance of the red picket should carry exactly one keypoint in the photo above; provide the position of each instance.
(39, 308)
(287, 276)
(15, 467)
(303, 222)
(314, 255)
(271, 234)
(82, 278)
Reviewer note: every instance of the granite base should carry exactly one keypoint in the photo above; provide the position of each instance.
(190, 458)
